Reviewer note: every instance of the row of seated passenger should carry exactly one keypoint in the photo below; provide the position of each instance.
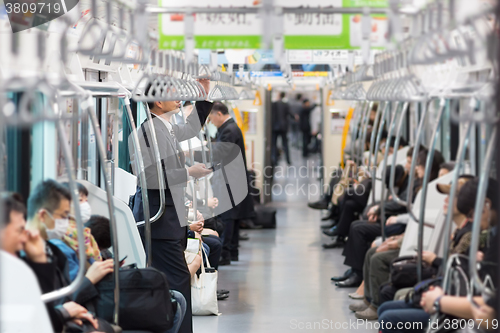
(47, 243)
(371, 260)
(52, 235)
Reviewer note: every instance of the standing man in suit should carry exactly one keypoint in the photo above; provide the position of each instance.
(305, 125)
(169, 232)
(229, 143)
(280, 117)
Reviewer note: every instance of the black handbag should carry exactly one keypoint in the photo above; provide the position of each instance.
(404, 272)
(145, 300)
(415, 295)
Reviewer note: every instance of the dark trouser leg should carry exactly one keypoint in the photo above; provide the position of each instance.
(306, 138)
(380, 266)
(284, 143)
(274, 148)
(227, 237)
(168, 257)
(361, 235)
(366, 272)
(398, 312)
(347, 216)
(336, 175)
(215, 244)
(235, 240)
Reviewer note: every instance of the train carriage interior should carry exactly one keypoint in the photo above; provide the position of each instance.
(249, 166)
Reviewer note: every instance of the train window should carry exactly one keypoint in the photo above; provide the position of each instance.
(124, 131)
(43, 153)
(18, 149)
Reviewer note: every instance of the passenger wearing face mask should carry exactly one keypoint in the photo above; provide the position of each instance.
(70, 238)
(49, 208)
(85, 209)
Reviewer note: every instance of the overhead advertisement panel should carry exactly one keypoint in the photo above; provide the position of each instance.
(310, 31)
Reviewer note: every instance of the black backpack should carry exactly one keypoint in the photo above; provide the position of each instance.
(145, 300)
(265, 217)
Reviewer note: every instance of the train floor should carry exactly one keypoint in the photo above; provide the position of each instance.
(282, 281)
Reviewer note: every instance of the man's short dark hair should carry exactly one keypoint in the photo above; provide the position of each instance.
(466, 199)
(305, 101)
(298, 97)
(282, 95)
(48, 195)
(100, 229)
(11, 202)
(220, 107)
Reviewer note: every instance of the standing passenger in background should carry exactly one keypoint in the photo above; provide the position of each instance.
(229, 132)
(280, 115)
(295, 107)
(305, 125)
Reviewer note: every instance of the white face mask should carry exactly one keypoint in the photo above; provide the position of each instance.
(212, 130)
(60, 228)
(85, 211)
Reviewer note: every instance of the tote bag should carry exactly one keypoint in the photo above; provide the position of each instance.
(204, 291)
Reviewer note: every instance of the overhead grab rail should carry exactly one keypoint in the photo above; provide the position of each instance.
(487, 117)
(31, 87)
(112, 43)
(96, 32)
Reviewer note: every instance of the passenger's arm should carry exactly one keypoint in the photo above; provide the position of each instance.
(224, 147)
(194, 121)
(456, 306)
(86, 292)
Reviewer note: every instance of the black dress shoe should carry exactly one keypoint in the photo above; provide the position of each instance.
(332, 232)
(220, 297)
(244, 236)
(352, 282)
(344, 277)
(330, 216)
(338, 242)
(330, 224)
(223, 291)
(249, 224)
(322, 204)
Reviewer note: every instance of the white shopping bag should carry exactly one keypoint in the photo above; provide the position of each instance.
(204, 292)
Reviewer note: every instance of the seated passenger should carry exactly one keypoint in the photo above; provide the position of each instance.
(400, 311)
(48, 215)
(70, 238)
(14, 239)
(100, 230)
(362, 233)
(378, 264)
